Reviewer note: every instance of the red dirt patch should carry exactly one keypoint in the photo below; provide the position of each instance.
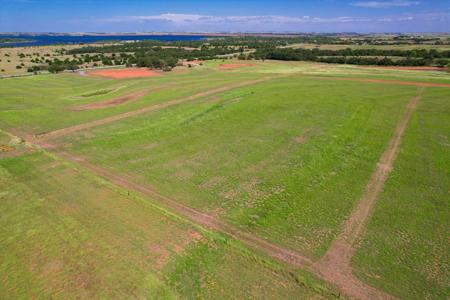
(125, 73)
(112, 102)
(162, 253)
(234, 66)
(6, 148)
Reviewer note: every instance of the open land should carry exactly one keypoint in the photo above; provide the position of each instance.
(308, 180)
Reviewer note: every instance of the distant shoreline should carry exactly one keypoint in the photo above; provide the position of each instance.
(5, 41)
(35, 40)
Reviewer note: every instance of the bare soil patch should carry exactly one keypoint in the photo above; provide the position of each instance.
(112, 102)
(163, 253)
(120, 100)
(234, 66)
(6, 148)
(125, 73)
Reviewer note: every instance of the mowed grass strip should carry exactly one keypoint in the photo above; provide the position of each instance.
(287, 159)
(405, 250)
(67, 234)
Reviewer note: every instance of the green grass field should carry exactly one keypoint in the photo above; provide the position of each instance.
(67, 234)
(260, 157)
(406, 247)
(285, 159)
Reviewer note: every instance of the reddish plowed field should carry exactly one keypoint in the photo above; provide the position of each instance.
(125, 73)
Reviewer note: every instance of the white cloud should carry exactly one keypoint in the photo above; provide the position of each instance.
(386, 4)
(180, 19)
(181, 22)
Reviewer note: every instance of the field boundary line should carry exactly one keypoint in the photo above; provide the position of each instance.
(72, 129)
(336, 265)
(384, 81)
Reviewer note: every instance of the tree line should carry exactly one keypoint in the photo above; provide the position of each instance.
(419, 57)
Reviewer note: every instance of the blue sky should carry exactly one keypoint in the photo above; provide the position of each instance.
(225, 16)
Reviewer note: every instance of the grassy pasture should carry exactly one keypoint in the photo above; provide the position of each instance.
(46, 104)
(66, 234)
(405, 250)
(271, 158)
(383, 47)
(321, 69)
(286, 159)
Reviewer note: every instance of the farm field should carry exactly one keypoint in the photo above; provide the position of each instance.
(369, 46)
(168, 186)
(413, 211)
(255, 156)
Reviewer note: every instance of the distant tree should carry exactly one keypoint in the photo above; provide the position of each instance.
(448, 67)
(171, 62)
(242, 56)
(442, 62)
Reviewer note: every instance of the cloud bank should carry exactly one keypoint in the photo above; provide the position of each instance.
(183, 22)
(386, 4)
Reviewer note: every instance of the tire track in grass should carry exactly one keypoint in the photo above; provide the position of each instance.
(72, 129)
(336, 266)
(385, 81)
(289, 256)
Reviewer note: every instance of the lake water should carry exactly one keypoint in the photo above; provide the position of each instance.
(43, 40)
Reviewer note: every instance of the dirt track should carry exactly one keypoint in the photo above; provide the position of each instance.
(196, 216)
(385, 81)
(335, 266)
(88, 125)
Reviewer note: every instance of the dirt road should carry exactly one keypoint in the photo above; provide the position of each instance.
(92, 124)
(335, 266)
